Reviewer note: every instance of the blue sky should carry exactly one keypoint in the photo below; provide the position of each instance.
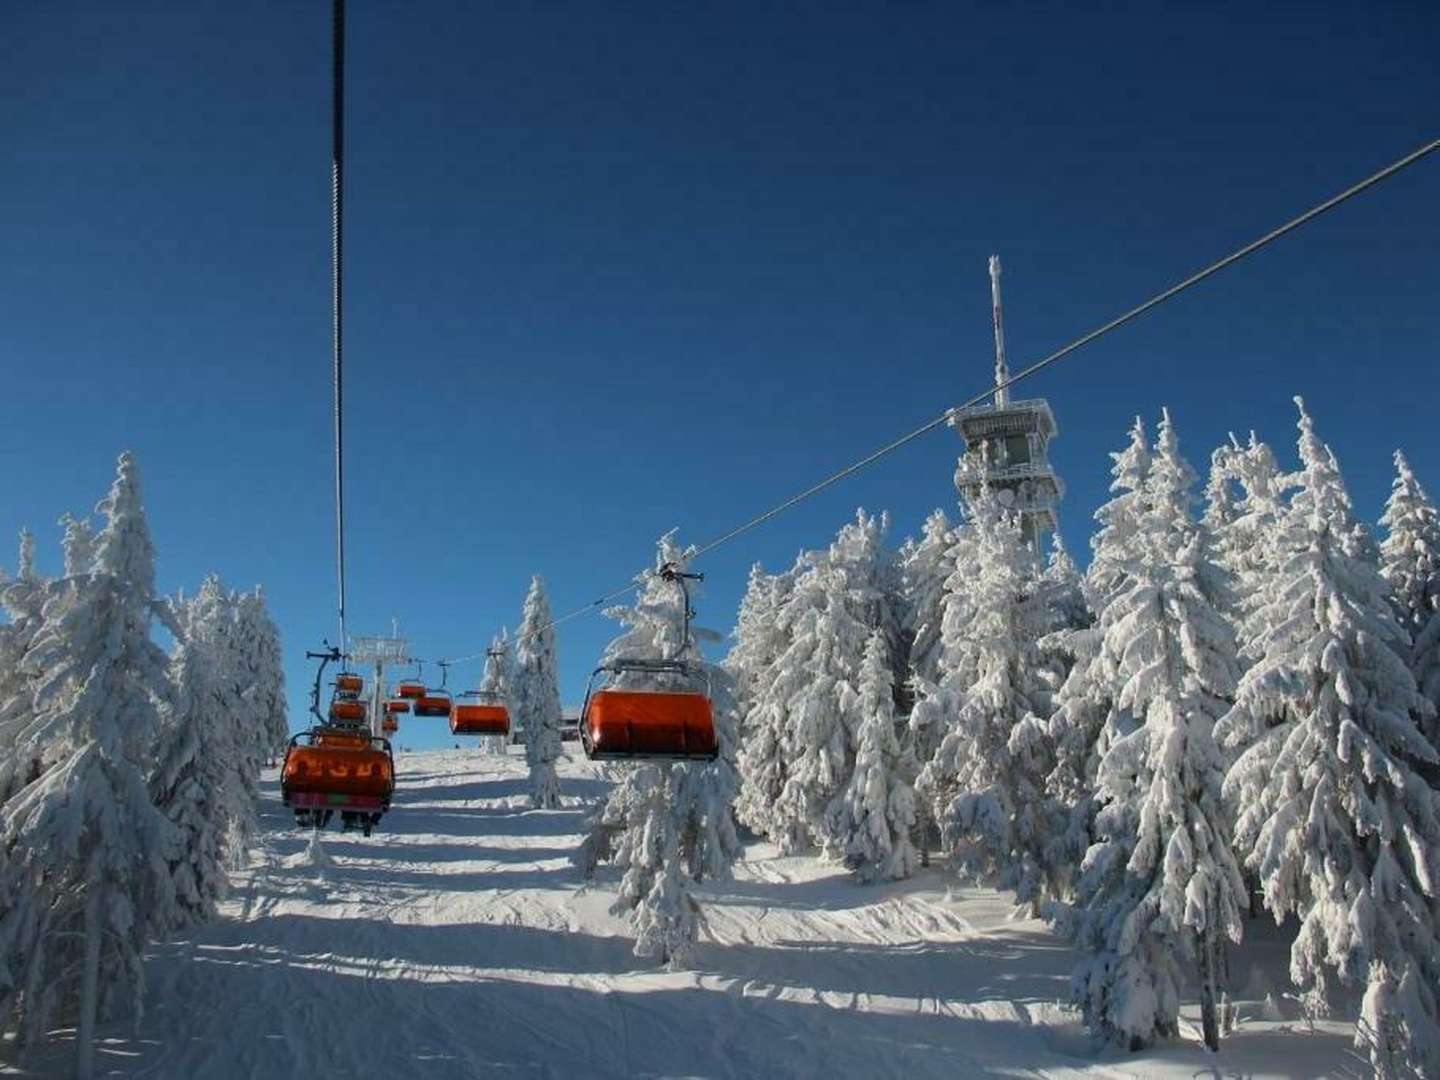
(615, 268)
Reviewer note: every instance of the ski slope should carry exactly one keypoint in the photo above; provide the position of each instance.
(459, 942)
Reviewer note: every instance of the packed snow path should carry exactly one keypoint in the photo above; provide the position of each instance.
(458, 942)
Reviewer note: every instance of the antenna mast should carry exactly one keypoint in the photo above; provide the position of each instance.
(1002, 370)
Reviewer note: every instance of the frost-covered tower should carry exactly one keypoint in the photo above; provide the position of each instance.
(1007, 445)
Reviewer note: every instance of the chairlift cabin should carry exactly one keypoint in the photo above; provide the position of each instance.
(347, 711)
(625, 722)
(410, 690)
(326, 769)
(349, 684)
(482, 712)
(396, 705)
(433, 702)
(390, 725)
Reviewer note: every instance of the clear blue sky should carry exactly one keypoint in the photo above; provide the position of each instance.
(613, 268)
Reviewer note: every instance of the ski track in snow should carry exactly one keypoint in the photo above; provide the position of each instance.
(459, 941)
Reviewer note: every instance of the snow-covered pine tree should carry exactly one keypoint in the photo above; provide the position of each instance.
(1084, 720)
(78, 544)
(876, 815)
(262, 660)
(759, 642)
(668, 826)
(496, 680)
(194, 781)
(1410, 564)
(87, 855)
(1246, 548)
(1333, 818)
(1160, 889)
(23, 599)
(985, 784)
(850, 590)
(1113, 544)
(537, 696)
(925, 565)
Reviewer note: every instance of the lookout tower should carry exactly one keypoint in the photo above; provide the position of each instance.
(1007, 444)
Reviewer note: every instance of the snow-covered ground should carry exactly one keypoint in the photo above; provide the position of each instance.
(459, 942)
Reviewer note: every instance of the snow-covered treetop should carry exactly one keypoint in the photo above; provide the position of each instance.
(78, 544)
(1410, 553)
(536, 636)
(496, 679)
(124, 548)
(1112, 544)
(26, 569)
(656, 624)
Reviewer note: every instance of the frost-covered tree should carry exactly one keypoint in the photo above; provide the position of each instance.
(846, 593)
(496, 680)
(78, 544)
(87, 855)
(1246, 548)
(1112, 546)
(985, 784)
(925, 565)
(667, 826)
(761, 760)
(1159, 890)
(537, 696)
(874, 818)
(23, 598)
(1332, 817)
(1410, 564)
(1085, 720)
(194, 781)
(262, 672)
(759, 642)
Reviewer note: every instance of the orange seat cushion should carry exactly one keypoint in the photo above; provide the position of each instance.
(640, 723)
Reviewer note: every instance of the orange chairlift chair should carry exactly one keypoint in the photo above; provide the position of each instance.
(480, 712)
(332, 767)
(435, 701)
(391, 724)
(666, 718)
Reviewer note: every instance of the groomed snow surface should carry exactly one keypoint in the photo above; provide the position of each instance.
(459, 941)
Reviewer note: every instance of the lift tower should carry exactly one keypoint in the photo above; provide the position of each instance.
(1007, 444)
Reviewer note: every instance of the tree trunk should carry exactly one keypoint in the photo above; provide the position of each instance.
(89, 987)
(1209, 1013)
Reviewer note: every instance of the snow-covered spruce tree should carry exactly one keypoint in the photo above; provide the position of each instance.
(87, 855)
(78, 544)
(876, 814)
(668, 826)
(1113, 545)
(1410, 564)
(1333, 818)
(23, 599)
(1245, 549)
(1159, 889)
(759, 642)
(1084, 719)
(762, 763)
(849, 591)
(985, 785)
(537, 696)
(194, 782)
(262, 662)
(925, 565)
(496, 680)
